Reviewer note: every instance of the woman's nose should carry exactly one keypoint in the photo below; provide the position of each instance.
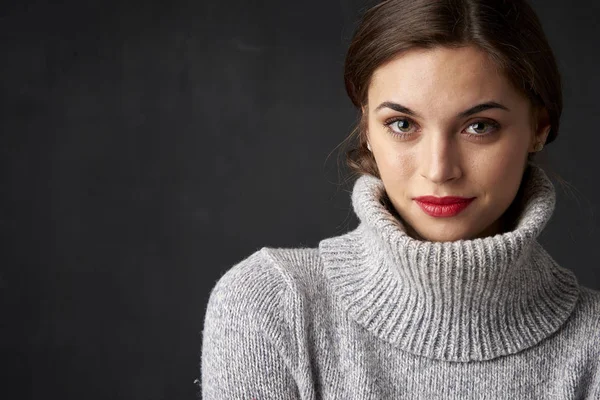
(439, 158)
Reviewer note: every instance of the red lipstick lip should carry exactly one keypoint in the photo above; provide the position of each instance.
(443, 200)
(443, 206)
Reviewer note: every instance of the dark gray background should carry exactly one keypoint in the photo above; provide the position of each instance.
(146, 148)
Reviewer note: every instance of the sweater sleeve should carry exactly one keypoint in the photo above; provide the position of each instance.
(594, 392)
(248, 348)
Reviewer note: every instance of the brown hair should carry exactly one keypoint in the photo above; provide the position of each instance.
(508, 30)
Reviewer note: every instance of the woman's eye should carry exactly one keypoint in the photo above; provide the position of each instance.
(481, 127)
(400, 125)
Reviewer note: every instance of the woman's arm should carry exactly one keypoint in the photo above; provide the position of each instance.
(239, 363)
(248, 348)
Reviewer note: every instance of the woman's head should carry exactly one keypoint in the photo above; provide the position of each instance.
(455, 96)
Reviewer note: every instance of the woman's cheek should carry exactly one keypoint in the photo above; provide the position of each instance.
(396, 166)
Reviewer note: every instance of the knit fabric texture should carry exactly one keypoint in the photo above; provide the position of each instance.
(376, 314)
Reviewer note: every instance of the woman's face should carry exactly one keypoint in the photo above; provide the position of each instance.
(444, 122)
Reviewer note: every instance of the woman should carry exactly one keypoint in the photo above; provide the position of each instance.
(443, 290)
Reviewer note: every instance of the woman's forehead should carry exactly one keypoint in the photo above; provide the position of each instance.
(440, 77)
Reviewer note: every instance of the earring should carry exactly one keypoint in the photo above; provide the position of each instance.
(369, 146)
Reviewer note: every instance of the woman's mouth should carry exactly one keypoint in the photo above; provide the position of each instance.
(443, 206)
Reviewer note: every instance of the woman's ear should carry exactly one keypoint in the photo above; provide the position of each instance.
(541, 130)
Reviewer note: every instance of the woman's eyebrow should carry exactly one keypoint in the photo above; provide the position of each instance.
(473, 110)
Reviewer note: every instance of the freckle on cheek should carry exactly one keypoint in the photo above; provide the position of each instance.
(406, 161)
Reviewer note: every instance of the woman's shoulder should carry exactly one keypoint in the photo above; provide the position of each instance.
(274, 268)
(588, 309)
(583, 327)
(269, 283)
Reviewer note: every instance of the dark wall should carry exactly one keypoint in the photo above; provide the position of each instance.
(146, 148)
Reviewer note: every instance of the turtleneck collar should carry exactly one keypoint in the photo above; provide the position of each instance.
(456, 301)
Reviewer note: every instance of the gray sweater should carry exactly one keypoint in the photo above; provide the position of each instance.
(376, 314)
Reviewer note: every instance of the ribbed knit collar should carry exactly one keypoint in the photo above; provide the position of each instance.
(456, 301)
